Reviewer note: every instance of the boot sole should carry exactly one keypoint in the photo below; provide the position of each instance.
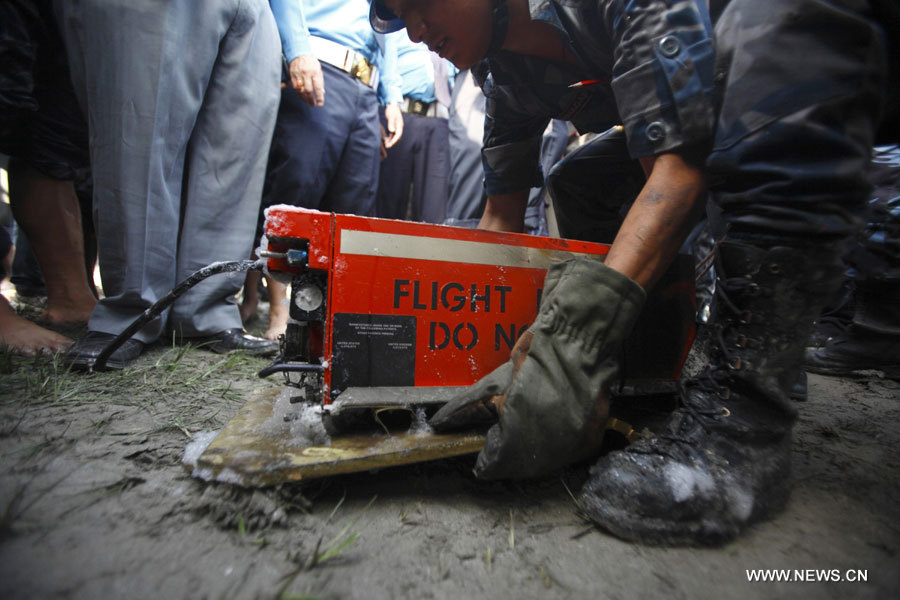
(661, 532)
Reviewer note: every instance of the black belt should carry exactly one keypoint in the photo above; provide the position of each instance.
(425, 109)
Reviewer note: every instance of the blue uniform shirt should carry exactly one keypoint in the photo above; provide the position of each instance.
(345, 22)
(416, 68)
(290, 21)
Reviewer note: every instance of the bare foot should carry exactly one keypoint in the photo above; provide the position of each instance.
(250, 302)
(24, 337)
(278, 318)
(48, 211)
(68, 314)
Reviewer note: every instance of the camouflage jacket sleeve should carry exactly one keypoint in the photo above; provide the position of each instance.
(662, 72)
(654, 59)
(512, 141)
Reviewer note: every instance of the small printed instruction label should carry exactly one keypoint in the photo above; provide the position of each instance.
(373, 350)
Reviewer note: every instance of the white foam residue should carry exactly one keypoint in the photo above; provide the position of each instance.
(307, 429)
(419, 425)
(274, 220)
(263, 245)
(204, 474)
(292, 208)
(227, 475)
(197, 446)
(277, 424)
(300, 422)
(740, 501)
(686, 481)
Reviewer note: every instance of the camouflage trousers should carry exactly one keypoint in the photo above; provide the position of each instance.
(41, 122)
(876, 255)
(801, 87)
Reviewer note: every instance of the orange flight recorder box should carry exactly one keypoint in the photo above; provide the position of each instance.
(385, 303)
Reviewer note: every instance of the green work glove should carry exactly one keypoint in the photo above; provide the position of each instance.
(552, 397)
(482, 402)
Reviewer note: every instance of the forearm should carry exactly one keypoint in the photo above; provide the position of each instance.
(505, 212)
(659, 220)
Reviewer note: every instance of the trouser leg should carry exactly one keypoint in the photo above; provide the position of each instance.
(309, 143)
(430, 189)
(791, 153)
(593, 187)
(140, 121)
(787, 183)
(353, 187)
(865, 335)
(26, 273)
(466, 129)
(294, 174)
(553, 146)
(876, 256)
(225, 167)
(396, 171)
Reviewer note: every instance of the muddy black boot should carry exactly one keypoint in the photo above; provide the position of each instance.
(869, 343)
(724, 458)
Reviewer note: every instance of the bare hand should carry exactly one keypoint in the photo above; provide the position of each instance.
(394, 118)
(307, 80)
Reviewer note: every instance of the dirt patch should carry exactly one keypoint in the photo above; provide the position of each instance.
(95, 503)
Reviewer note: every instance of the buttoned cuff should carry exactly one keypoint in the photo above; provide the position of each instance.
(512, 167)
(676, 109)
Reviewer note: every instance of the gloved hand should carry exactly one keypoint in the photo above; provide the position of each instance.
(552, 397)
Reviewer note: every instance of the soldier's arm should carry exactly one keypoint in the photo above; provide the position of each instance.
(660, 218)
(505, 212)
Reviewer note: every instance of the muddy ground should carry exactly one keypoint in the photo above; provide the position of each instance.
(95, 503)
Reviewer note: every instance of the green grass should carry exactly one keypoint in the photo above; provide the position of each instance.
(183, 387)
(39, 379)
(29, 450)
(322, 553)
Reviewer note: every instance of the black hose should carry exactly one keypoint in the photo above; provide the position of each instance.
(290, 368)
(234, 266)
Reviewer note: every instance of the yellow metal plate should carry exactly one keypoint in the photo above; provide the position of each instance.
(250, 452)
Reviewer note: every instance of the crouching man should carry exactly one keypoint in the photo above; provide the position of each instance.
(764, 109)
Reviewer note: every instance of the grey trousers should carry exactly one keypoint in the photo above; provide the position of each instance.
(466, 128)
(181, 99)
(467, 198)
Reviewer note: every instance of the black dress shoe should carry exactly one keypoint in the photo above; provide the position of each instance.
(83, 354)
(231, 340)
